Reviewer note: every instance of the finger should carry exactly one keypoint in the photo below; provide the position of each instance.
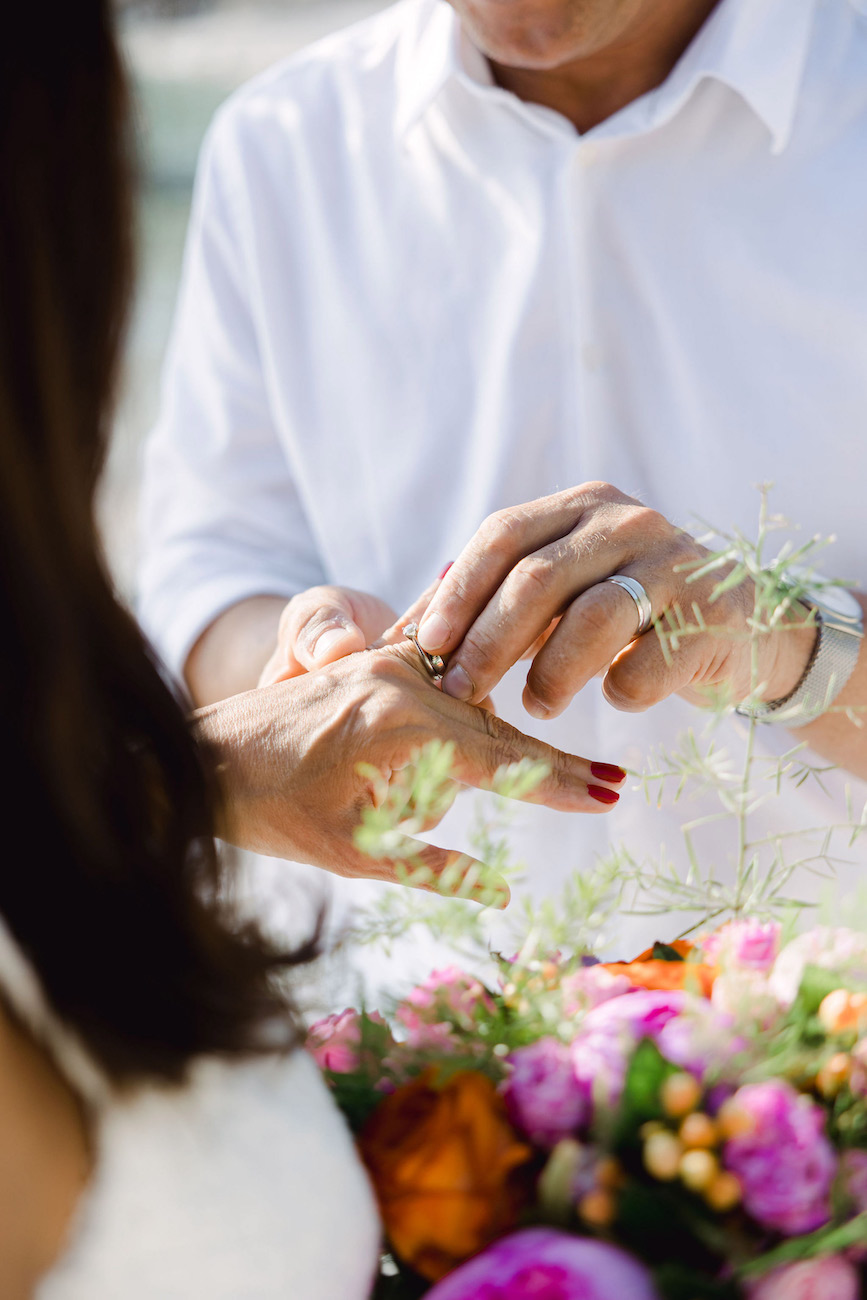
(394, 635)
(594, 629)
(319, 626)
(642, 674)
(533, 650)
(502, 540)
(486, 745)
(447, 872)
(537, 590)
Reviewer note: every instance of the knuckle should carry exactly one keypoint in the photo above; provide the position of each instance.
(629, 687)
(535, 573)
(498, 532)
(505, 737)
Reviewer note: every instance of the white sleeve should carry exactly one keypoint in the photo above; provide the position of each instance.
(220, 518)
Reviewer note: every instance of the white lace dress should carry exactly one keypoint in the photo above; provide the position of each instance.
(243, 1185)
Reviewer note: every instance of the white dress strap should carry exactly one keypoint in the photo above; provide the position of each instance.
(21, 989)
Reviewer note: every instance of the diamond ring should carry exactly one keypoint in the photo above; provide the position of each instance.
(435, 664)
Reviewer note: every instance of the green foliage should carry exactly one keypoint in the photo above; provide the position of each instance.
(734, 870)
(641, 1100)
(832, 1240)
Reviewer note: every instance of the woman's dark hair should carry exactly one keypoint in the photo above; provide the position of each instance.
(110, 880)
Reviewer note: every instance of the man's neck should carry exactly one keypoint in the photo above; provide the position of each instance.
(591, 89)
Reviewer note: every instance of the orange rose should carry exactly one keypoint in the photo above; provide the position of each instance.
(442, 1158)
(658, 974)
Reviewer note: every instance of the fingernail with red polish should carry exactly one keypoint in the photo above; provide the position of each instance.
(608, 772)
(600, 793)
(445, 570)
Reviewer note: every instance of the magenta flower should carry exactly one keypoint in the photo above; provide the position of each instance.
(544, 1264)
(334, 1041)
(744, 945)
(829, 1278)
(786, 1164)
(544, 1098)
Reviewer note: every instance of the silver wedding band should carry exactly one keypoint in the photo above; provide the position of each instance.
(641, 598)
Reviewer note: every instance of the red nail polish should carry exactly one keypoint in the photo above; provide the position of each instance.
(599, 793)
(608, 772)
(445, 570)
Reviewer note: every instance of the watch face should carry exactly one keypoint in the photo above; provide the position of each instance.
(838, 607)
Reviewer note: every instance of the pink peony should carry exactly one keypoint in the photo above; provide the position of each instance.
(588, 988)
(786, 1164)
(544, 1098)
(830, 1278)
(544, 1264)
(686, 1029)
(743, 945)
(447, 997)
(334, 1041)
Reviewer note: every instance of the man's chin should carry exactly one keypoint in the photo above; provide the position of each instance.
(534, 35)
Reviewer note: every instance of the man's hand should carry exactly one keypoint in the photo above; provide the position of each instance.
(320, 626)
(287, 759)
(548, 560)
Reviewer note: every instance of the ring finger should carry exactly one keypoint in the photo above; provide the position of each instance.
(594, 629)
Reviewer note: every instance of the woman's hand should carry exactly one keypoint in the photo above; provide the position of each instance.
(548, 560)
(287, 759)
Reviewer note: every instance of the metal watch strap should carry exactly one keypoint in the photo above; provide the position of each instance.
(828, 670)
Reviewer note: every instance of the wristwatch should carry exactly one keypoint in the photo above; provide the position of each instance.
(840, 624)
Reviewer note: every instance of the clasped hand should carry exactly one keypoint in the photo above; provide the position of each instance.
(531, 584)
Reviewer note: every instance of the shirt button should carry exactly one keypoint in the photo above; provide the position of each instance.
(588, 153)
(592, 357)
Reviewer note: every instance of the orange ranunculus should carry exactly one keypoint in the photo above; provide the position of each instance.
(658, 974)
(682, 947)
(443, 1160)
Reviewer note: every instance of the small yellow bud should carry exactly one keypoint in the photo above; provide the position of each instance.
(699, 1130)
(609, 1173)
(680, 1094)
(733, 1121)
(698, 1170)
(662, 1155)
(652, 1126)
(598, 1208)
(834, 1074)
(723, 1193)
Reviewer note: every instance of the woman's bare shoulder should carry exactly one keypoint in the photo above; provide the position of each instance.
(45, 1159)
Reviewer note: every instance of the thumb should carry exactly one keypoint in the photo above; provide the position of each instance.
(319, 626)
(329, 634)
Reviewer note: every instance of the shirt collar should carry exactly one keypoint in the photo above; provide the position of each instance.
(756, 47)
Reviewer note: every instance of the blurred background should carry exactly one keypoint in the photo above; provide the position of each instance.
(185, 57)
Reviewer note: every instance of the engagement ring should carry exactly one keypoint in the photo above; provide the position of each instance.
(435, 664)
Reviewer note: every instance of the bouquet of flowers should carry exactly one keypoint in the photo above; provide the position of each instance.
(689, 1124)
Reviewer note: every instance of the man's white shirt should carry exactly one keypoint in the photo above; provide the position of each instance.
(410, 299)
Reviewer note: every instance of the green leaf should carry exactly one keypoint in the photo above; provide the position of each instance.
(816, 984)
(648, 1070)
(826, 1241)
(664, 952)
